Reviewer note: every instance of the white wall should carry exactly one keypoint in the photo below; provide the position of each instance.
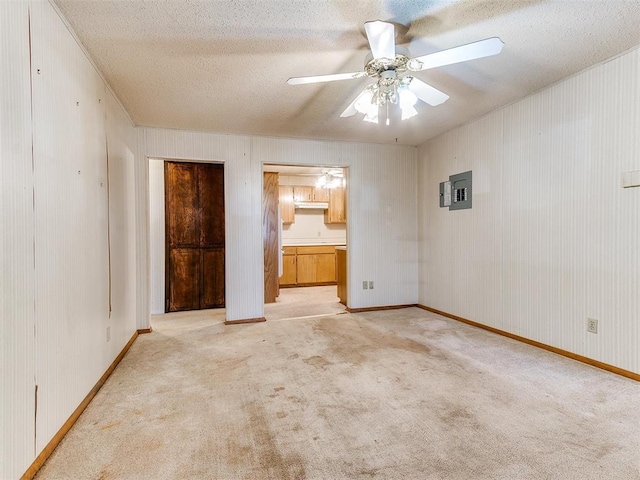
(381, 209)
(17, 277)
(156, 235)
(68, 242)
(309, 228)
(552, 238)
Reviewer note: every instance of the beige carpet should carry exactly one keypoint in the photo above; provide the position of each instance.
(304, 302)
(400, 394)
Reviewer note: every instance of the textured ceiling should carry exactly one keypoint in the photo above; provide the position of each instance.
(222, 65)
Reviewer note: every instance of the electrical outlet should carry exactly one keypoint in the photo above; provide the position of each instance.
(365, 285)
(109, 333)
(370, 284)
(592, 325)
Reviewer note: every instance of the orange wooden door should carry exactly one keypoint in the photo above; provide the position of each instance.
(270, 233)
(194, 207)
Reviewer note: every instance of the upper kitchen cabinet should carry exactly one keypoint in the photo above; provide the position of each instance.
(302, 194)
(337, 212)
(321, 194)
(306, 193)
(287, 209)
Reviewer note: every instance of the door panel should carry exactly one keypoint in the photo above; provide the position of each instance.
(302, 194)
(194, 196)
(184, 272)
(306, 269)
(326, 267)
(211, 201)
(182, 217)
(212, 278)
(287, 209)
(288, 270)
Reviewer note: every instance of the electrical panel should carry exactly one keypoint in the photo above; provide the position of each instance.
(456, 193)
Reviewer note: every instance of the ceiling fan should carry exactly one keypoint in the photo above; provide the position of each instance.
(329, 178)
(387, 62)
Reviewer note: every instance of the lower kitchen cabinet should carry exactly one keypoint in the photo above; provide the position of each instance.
(289, 269)
(326, 267)
(313, 265)
(306, 267)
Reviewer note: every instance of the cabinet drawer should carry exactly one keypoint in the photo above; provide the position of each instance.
(316, 249)
(288, 250)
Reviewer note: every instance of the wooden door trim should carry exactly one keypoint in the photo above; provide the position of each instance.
(167, 250)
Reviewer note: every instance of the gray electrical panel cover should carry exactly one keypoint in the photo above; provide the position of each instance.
(461, 191)
(445, 194)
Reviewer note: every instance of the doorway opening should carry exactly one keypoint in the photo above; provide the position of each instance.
(305, 240)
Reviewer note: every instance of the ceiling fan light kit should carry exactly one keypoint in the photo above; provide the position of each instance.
(386, 61)
(331, 179)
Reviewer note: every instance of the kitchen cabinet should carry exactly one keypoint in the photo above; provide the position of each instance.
(302, 194)
(326, 267)
(289, 266)
(306, 268)
(335, 197)
(321, 194)
(337, 212)
(287, 211)
(316, 265)
(313, 265)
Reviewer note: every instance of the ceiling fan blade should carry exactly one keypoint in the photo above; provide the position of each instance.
(427, 93)
(381, 37)
(471, 51)
(351, 109)
(325, 78)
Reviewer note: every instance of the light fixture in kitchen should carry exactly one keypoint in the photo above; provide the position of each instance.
(331, 179)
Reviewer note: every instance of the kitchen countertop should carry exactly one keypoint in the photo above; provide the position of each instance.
(315, 245)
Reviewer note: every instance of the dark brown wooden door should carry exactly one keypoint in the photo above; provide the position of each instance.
(194, 207)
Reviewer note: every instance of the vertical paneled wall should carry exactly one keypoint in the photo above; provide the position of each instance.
(552, 238)
(122, 150)
(381, 210)
(244, 287)
(141, 176)
(157, 235)
(17, 275)
(68, 235)
(71, 218)
(383, 196)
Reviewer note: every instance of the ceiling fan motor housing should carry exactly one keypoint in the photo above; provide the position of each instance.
(374, 67)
